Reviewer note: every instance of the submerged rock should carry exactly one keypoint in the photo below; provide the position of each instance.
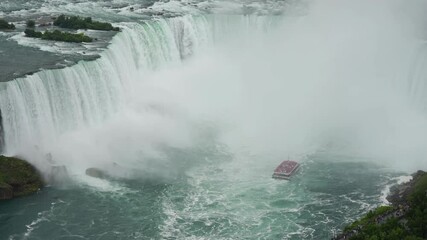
(110, 171)
(96, 173)
(17, 178)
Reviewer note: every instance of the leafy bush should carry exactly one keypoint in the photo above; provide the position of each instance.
(75, 22)
(32, 33)
(5, 25)
(31, 23)
(57, 35)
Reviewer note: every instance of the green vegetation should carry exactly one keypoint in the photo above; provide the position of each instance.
(419, 188)
(392, 229)
(412, 225)
(32, 33)
(17, 178)
(5, 25)
(75, 22)
(57, 35)
(370, 217)
(417, 216)
(31, 23)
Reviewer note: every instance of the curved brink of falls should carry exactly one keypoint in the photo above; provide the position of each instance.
(37, 109)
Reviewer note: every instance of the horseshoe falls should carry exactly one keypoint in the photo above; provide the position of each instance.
(174, 129)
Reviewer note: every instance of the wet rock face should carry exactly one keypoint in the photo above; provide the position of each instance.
(17, 178)
(399, 194)
(6, 192)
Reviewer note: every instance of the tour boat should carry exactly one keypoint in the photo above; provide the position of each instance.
(286, 169)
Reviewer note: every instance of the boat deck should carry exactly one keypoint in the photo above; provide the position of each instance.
(285, 169)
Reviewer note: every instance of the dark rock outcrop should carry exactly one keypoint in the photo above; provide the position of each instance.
(96, 173)
(400, 193)
(6, 191)
(17, 178)
(109, 171)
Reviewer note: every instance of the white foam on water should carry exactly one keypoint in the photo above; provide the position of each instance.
(101, 185)
(43, 216)
(394, 181)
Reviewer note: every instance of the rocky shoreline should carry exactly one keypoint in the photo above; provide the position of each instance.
(18, 178)
(400, 193)
(405, 218)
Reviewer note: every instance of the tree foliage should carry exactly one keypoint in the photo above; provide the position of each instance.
(57, 35)
(31, 23)
(75, 22)
(5, 25)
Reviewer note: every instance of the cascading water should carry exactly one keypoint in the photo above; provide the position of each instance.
(415, 86)
(39, 108)
(1, 133)
(193, 143)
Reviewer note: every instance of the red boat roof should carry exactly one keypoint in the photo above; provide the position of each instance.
(286, 167)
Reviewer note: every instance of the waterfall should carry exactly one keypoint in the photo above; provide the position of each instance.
(416, 74)
(38, 108)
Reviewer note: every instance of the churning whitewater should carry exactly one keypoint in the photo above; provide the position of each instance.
(189, 115)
